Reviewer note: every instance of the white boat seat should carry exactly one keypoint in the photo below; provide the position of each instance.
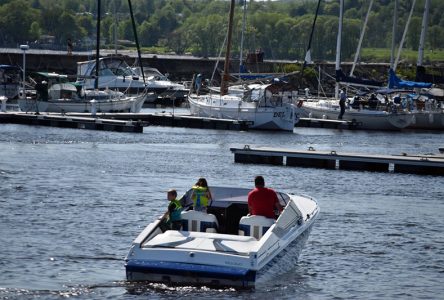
(255, 226)
(198, 221)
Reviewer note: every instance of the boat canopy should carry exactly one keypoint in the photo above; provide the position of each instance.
(396, 82)
(109, 66)
(343, 78)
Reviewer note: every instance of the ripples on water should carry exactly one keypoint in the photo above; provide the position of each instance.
(72, 201)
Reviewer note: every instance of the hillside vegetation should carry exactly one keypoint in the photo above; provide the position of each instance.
(280, 28)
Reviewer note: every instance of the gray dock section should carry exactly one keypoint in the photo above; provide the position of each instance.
(57, 120)
(122, 122)
(427, 164)
(176, 120)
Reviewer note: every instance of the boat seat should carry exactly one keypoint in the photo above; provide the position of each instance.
(198, 221)
(255, 226)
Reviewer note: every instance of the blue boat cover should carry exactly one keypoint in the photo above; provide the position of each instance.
(396, 82)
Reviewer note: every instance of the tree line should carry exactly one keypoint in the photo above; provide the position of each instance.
(279, 28)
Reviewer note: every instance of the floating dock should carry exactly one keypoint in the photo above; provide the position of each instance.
(326, 123)
(65, 121)
(176, 120)
(426, 164)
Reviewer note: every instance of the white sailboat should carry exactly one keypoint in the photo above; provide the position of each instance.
(56, 94)
(374, 119)
(264, 106)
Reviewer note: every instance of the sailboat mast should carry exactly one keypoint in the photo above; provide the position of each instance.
(395, 21)
(307, 59)
(244, 24)
(401, 44)
(338, 44)
(96, 81)
(425, 22)
(361, 38)
(226, 74)
(139, 55)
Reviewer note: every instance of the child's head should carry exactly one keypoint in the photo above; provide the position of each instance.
(172, 194)
(202, 182)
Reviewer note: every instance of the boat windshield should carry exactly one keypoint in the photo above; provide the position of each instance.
(114, 67)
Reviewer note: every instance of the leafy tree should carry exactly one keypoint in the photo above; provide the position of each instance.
(16, 20)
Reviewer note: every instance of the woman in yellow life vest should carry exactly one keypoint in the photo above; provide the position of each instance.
(201, 195)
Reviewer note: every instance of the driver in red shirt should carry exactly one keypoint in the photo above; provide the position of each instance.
(263, 201)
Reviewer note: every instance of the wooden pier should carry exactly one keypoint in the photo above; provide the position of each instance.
(65, 121)
(426, 164)
(326, 123)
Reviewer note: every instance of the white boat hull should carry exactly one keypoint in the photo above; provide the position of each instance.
(428, 120)
(126, 104)
(366, 119)
(264, 118)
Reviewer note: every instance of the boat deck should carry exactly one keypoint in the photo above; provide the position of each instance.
(189, 240)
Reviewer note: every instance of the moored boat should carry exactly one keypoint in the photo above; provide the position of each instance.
(258, 104)
(116, 74)
(365, 118)
(56, 94)
(223, 247)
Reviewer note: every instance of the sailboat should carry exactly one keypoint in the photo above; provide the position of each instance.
(265, 106)
(428, 114)
(56, 94)
(380, 118)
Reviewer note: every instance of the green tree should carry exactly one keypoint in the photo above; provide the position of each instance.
(35, 31)
(15, 22)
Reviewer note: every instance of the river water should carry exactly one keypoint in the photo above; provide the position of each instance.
(73, 200)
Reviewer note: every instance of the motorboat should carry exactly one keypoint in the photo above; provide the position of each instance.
(116, 74)
(263, 105)
(172, 93)
(54, 93)
(223, 246)
(373, 119)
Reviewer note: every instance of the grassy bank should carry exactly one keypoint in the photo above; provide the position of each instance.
(407, 55)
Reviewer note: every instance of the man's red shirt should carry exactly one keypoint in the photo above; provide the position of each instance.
(262, 202)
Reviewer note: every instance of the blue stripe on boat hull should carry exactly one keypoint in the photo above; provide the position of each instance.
(188, 273)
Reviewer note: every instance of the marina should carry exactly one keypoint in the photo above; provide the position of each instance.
(415, 164)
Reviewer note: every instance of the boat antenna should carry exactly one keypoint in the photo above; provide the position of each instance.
(96, 81)
(226, 74)
(139, 55)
